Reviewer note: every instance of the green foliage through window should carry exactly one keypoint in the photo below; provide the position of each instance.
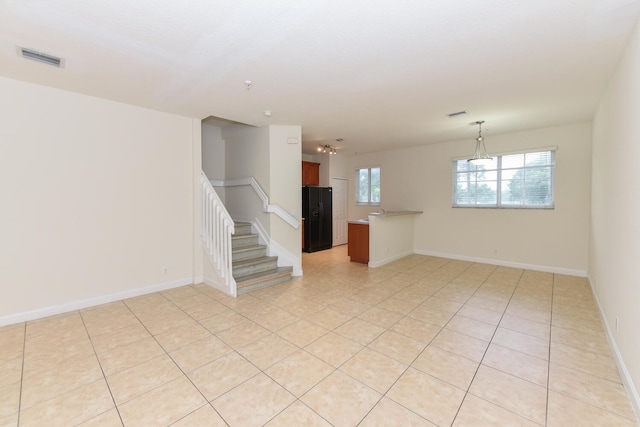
(523, 180)
(368, 186)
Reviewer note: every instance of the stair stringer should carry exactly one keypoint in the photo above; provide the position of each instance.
(285, 257)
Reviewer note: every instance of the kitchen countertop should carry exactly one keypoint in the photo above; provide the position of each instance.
(364, 221)
(383, 215)
(394, 213)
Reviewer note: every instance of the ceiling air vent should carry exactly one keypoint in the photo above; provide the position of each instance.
(40, 57)
(456, 114)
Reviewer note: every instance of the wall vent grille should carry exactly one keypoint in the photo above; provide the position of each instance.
(40, 57)
(458, 113)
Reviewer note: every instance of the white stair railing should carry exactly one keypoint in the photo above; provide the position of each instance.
(266, 207)
(217, 228)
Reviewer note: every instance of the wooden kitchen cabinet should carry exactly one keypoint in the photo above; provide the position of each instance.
(310, 173)
(358, 246)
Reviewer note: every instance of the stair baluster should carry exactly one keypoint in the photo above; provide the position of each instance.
(217, 228)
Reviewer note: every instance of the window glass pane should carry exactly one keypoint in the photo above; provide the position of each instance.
(513, 161)
(511, 192)
(483, 165)
(375, 194)
(537, 182)
(363, 177)
(375, 177)
(363, 186)
(368, 186)
(486, 175)
(508, 174)
(537, 159)
(462, 194)
(523, 180)
(486, 193)
(463, 177)
(462, 166)
(375, 185)
(515, 187)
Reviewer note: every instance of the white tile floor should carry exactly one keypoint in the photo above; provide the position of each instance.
(420, 342)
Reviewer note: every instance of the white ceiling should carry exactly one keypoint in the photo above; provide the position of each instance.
(378, 73)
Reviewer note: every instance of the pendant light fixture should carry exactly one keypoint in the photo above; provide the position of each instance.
(481, 152)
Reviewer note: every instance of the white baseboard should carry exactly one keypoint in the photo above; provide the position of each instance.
(216, 284)
(90, 302)
(384, 261)
(545, 268)
(627, 381)
(286, 258)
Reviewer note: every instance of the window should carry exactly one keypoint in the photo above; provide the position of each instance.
(522, 180)
(368, 186)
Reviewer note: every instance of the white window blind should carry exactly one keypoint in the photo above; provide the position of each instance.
(515, 180)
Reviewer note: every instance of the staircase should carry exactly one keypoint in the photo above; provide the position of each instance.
(252, 268)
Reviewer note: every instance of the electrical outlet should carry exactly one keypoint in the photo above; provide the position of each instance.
(495, 251)
(165, 270)
(617, 324)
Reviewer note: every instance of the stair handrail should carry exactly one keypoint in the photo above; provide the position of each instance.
(217, 227)
(266, 207)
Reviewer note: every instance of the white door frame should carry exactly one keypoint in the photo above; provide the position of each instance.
(340, 208)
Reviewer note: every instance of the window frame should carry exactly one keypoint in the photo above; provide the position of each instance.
(369, 186)
(499, 181)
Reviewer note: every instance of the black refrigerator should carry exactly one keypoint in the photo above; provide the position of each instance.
(318, 224)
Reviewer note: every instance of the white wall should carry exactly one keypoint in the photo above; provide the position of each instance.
(325, 168)
(390, 238)
(247, 155)
(265, 154)
(199, 255)
(285, 190)
(97, 198)
(339, 167)
(213, 156)
(614, 255)
(419, 179)
(213, 152)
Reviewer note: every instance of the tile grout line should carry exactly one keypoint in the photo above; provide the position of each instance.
(336, 369)
(24, 355)
(466, 392)
(383, 395)
(95, 353)
(524, 291)
(173, 360)
(443, 327)
(603, 408)
(234, 350)
(260, 371)
(428, 343)
(553, 286)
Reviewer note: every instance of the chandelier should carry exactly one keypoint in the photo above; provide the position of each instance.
(481, 152)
